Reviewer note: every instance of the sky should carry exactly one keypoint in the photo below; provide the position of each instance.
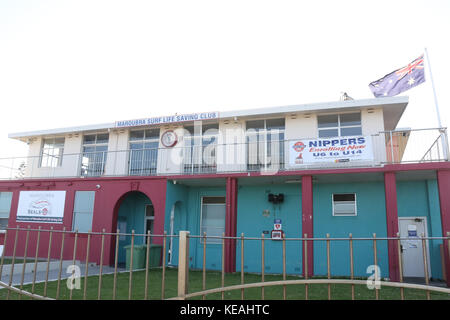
(71, 63)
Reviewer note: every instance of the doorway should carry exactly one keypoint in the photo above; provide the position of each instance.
(176, 224)
(136, 213)
(411, 229)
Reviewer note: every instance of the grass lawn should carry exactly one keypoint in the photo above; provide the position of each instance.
(213, 280)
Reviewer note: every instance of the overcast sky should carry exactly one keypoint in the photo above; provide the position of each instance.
(69, 63)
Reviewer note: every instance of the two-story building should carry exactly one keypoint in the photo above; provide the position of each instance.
(315, 169)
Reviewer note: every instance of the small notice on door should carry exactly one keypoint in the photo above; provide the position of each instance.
(412, 233)
(412, 244)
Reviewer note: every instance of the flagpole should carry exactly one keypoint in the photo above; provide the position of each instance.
(443, 136)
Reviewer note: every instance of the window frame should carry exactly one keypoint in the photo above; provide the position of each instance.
(195, 146)
(74, 213)
(339, 126)
(344, 215)
(142, 169)
(211, 241)
(3, 230)
(59, 157)
(95, 145)
(262, 139)
(151, 218)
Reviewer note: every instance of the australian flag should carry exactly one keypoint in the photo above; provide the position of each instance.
(399, 80)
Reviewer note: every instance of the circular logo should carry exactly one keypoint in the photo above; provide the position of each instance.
(299, 146)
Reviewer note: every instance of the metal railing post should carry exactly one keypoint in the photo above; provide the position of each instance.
(183, 264)
(305, 257)
(352, 273)
(328, 266)
(375, 262)
(425, 263)
(444, 143)
(400, 265)
(392, 147)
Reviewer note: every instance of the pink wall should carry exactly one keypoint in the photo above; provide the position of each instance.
(443, 177)
(390, 189)
(107, 201)
(231, 224)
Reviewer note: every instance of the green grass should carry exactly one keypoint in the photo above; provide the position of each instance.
(213, 280)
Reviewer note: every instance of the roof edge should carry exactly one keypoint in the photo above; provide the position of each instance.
(237, 113)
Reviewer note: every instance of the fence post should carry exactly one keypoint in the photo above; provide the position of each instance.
(183, 264)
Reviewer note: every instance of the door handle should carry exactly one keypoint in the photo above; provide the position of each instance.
(402, 248)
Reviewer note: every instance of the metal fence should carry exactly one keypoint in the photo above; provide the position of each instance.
(271, 155)
(92, 259)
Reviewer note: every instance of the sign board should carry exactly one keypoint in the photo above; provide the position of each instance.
(277, 224)
(337, 150)
(277, 235)
(412, 234)
(41, 206)
(167, 119)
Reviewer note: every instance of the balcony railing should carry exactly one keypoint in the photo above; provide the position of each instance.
(270, 156)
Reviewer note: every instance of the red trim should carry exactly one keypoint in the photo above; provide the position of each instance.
(443, 178)
(386, 168)
(390, 189)
(307, 222)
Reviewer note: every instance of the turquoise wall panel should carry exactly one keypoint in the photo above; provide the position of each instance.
(370, 218)
(415, 198)
(186, 203)
(252, 220)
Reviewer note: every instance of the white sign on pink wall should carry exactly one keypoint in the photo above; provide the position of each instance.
(41, 206)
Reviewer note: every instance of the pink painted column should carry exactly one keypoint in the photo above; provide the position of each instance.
(231, 224)
(443, 177)
(307, 222)
(390, 190)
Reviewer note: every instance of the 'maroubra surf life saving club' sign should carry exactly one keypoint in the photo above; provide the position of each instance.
(337, 150)
(167, 119)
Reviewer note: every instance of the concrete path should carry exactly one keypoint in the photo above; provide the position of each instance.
(41, 272)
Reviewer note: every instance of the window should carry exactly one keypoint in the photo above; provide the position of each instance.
(213, 218)
(200, 148)
(83, 211)
(95, 151)
(52, 152)
(143, 152)
(265, 143)
(344, 204)
(339, 125)
(5, 207)
(149, 218)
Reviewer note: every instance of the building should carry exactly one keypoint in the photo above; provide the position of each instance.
(315, 169)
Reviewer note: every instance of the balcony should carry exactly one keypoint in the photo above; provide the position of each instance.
(268, 155)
